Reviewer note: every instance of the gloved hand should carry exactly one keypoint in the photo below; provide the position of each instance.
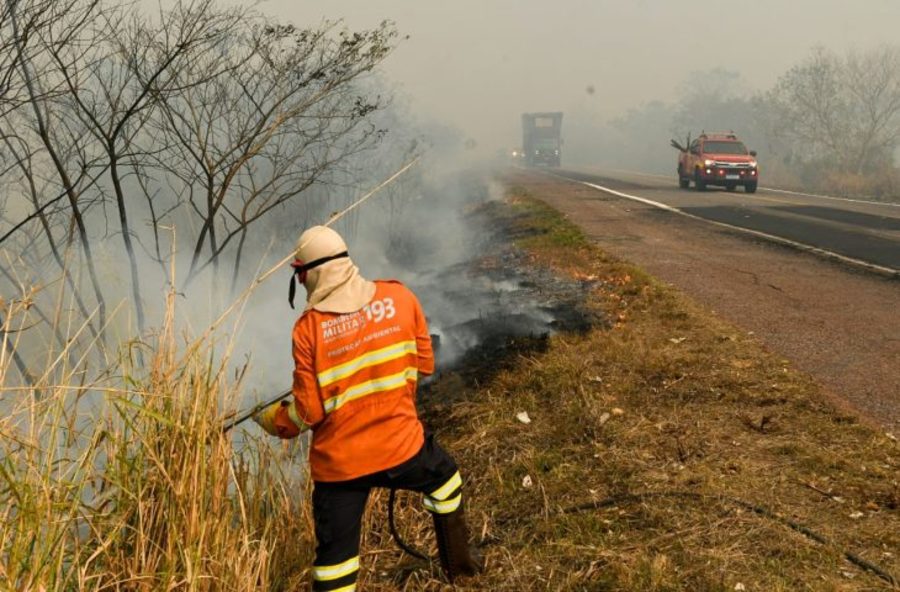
(265, 417)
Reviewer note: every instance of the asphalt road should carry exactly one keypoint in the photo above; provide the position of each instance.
(835, 321)
(864, 231)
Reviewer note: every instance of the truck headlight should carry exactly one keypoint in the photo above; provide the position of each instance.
(708, 162)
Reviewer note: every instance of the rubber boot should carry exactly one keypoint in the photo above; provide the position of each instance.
(457, 559)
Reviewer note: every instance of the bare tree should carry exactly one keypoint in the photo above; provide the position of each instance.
(873, 83)
(269, 128)
(39, 29)
(843, 110)
(131, 68)
(109, 117)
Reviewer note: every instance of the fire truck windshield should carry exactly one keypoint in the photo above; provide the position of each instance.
(724, 148)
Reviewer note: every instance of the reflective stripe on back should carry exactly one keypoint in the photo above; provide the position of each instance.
(376, 385)
(385, 354)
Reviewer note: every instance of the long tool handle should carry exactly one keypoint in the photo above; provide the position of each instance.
(250, 413)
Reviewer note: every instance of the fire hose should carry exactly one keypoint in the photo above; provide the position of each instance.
(624, 498)
(392, 497)
(592, 505)
(755, 508)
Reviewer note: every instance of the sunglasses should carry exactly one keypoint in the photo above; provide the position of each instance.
(300, 270)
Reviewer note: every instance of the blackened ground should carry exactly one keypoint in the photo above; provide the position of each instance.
(503, 306)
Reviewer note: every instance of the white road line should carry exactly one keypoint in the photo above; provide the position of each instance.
(763, 188)
(890, 271)
(671, 177)
(817, 196)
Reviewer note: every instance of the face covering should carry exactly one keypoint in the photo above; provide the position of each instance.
(301, 269)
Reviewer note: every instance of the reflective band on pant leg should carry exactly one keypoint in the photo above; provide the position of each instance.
(324, 573)
(336, 583)
(442, 507)
(448, 488)
(330, 587)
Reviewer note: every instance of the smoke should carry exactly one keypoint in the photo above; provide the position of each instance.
(420, 230)
(437, 231)
(479, 66)
(621, 73)
(423, 231)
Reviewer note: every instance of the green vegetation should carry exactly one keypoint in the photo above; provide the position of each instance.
(546, 228)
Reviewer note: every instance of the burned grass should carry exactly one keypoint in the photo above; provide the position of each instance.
(509, 306)
(666, 450)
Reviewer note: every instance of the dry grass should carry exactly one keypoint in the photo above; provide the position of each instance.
(140, 491)
(129, 484)
(668, 400)
(881, 184)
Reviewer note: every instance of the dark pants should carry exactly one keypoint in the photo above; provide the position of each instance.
(338, 508)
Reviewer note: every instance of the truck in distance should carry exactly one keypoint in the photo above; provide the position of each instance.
(542, 138)
(719, 159)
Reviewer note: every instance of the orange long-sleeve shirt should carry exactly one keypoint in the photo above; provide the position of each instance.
(355, 381)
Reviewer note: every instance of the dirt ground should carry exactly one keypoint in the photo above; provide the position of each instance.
(840, 325)
(660, 450)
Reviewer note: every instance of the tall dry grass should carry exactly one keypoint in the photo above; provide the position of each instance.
(126, 482)
(880, 184)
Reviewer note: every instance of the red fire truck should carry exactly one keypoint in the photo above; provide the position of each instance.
(717, 159)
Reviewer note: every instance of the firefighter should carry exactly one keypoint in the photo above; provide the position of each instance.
(359, 349)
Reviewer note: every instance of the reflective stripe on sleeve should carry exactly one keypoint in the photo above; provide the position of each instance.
(295, 417)
(444, 491)
(370, 387)
(442, 507)
(379, 356)
(324, 573)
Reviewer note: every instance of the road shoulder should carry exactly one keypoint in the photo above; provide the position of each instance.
(660, 450)
(838, 324)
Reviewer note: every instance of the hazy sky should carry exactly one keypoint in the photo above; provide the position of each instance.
(478, 64)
